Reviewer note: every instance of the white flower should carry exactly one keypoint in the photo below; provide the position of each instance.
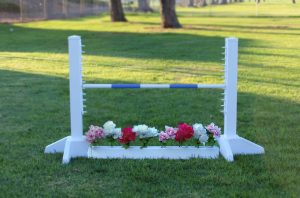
(198, 130)
(152, 132)
(143, 131)
(142, 128)
(109, 128)
(203, 138)
(109, 125)
(117, 133)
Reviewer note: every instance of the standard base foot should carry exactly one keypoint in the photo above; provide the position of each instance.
(71, 147)
(237, 145)
(57, 147)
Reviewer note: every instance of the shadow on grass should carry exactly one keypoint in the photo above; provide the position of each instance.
(243, 29)
(166, 46)
(35, 112)
(266, 54)
(28, 96)
(218, 14)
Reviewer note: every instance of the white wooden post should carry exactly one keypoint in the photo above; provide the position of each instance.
(230, 96)
(76, 144)
(230, 143)
(75, 51)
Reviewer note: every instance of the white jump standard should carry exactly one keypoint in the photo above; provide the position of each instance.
(230, 143)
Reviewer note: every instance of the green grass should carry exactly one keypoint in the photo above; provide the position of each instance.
(34, 102)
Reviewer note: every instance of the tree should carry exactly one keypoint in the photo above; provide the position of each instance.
(201, 3)
(222, 1)
(65, 7)
(191, 3)
(168, 14)
(116, 11)
(294, 1)
(143, 6)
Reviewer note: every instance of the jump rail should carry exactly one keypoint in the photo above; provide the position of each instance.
(152, 86)
(230, 143)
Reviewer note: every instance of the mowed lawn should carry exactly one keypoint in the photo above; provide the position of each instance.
(34, 101)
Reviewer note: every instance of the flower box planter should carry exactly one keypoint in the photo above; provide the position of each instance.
(153, 152)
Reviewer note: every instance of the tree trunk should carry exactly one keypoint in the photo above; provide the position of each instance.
(168, 14)
(116, 11)
(143, 6)
(223, 2)
(201, 3)
(191, 3)
(294, 1)
(45, 9)
(65, 8)
(21, 10)
(81, 7)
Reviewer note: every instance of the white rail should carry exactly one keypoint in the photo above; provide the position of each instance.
(153, 86)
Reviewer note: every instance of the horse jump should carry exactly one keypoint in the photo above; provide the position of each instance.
(230, 143)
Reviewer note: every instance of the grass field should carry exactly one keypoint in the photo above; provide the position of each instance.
(34, 102)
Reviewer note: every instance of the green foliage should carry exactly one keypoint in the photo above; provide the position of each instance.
(34, 102)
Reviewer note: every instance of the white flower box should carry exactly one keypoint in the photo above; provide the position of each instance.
(153, 152)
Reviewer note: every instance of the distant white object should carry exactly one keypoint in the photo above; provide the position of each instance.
(77, 146)
(11, 29)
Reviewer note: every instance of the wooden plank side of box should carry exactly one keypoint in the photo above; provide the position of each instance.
(153, 152)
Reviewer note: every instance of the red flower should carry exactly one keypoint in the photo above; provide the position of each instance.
(184, 132)
(127, 136)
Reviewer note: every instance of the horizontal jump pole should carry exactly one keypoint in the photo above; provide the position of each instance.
(153, 86)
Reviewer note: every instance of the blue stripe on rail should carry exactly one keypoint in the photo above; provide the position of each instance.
(123, 86)
(192, 86)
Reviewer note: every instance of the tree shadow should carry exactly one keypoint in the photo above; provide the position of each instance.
(42, 100)
(243, 29)
(261, 27)
(165, 45)
(228, 15)
(35, 112)
(271, 54)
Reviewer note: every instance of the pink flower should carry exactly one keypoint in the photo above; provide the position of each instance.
(171, 132)
(163, 136)
(90, 138)
(94, 133)
(214, 129)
